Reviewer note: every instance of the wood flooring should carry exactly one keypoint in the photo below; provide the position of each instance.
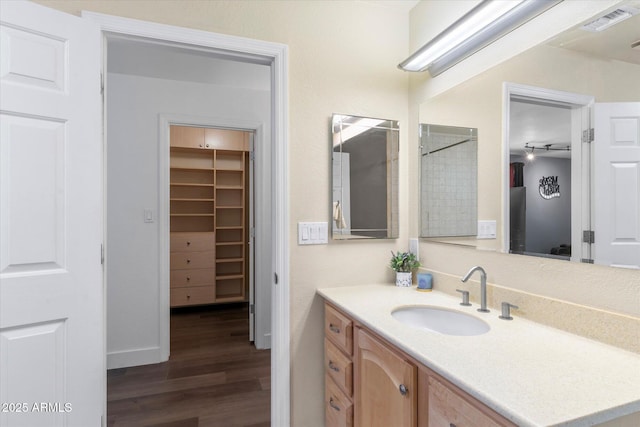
(214, 377)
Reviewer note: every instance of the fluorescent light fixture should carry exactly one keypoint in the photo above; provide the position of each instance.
(481, 26)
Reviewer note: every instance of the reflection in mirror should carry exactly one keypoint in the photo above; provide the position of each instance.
(364, 177)
(448, 181)
(540, 178)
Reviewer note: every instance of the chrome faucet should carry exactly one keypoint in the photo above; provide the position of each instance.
(483, 286)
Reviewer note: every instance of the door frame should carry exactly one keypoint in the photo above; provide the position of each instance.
(276, 56)
(581, 106)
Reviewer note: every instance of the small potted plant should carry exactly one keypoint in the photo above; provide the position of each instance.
(402, 263)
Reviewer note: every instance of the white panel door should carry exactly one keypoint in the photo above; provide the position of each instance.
(52, 370)
(617, 184)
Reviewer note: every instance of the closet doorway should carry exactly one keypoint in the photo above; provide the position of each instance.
(211, 217)
(149, 87)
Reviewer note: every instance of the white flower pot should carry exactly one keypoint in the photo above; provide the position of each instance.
(403, 279)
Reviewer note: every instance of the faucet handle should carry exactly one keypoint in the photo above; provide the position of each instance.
(465, 297)
(506, 311)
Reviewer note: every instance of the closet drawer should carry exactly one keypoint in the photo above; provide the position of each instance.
(187, 242)
(193, 277)
(338, 407)
(193, 295)
(339, 367)
(339, 329)
(192, 260)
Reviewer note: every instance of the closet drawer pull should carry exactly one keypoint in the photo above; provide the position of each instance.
(333, 405)
(188, 261)
(404, 390)
(334, 328)
(188, 243)
(333, 367)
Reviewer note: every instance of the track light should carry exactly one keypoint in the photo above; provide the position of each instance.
(481, 26)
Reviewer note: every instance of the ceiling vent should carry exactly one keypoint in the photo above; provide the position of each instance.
(610, 19)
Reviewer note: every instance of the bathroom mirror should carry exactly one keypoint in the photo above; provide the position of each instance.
(364, 153)
(448, 181)
(601, 65)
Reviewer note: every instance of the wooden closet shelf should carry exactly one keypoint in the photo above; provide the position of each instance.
(221, 260)
(193, 214)
(230, 227)
(229, 207)
(190, 184)
(230, 276)
(191, 169)
(175, 199)
(229, 243)
(229, 187)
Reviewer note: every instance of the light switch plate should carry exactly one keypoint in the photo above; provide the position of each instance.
(313, 233)
(487, 229)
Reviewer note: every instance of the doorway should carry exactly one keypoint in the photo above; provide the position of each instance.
(271, 192)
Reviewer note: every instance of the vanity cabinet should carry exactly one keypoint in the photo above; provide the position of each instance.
(370, 383)
(208, 215)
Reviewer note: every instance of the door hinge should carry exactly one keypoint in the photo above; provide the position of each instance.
(252, 155)
(102, 254)
(587, 135)
(252, 232)
(587, 260)
(251, 308)
(101, 83)
(275, 278)
(588, 236)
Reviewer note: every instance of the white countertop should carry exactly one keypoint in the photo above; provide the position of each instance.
(532, 374)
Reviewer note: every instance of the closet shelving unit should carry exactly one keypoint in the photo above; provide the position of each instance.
(208, 211)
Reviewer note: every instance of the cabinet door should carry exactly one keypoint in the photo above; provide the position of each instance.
(385, 385)
(186, 136)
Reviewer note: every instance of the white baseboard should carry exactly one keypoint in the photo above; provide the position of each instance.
(136, 357)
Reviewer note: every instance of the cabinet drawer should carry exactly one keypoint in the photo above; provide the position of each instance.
(193, 277)
(338, 407)
(193, 295)
(447, 407)
(339, 329)
(192, 260)
(188, 242)
(339, 367)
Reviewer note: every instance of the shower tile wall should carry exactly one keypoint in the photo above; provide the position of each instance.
(449, 187)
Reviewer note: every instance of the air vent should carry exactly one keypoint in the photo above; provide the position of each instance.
(610, 19)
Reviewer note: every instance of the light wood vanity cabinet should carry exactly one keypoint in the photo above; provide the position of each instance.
(390, 388)
(209, 215)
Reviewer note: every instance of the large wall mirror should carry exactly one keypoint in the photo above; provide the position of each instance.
(364, 153)
(568, 194)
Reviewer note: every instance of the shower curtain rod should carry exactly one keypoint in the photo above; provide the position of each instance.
(448, 146)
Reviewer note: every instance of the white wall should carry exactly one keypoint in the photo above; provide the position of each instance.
(133, 107)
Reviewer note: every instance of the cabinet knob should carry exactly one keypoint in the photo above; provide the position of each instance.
(200, 145)
(333, 367)
(188, 296)
(333, 405)
(334, 328)
(188, 261)
(207, 145)
(188, 278)
(403, 389)
(188, 243)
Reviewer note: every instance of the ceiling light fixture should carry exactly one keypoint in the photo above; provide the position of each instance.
(481, 26)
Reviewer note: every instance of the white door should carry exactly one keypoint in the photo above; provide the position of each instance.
(616, 180)
(52, 370)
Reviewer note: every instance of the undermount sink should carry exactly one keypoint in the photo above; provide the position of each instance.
(442, 320)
